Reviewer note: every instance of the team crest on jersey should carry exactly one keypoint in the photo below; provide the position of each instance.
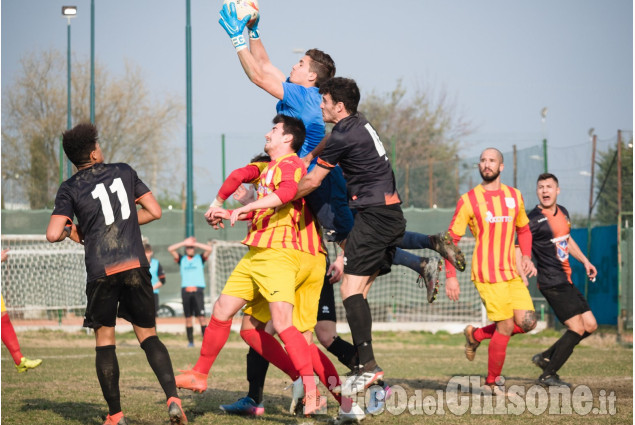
(510, 202)
(562, 247)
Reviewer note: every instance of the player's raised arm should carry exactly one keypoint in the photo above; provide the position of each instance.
(258, 68)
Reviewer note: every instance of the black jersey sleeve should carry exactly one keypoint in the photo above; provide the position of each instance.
(64, 202)
(140, 188)
(335, 149)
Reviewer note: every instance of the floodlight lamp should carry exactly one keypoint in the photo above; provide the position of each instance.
(69, 11)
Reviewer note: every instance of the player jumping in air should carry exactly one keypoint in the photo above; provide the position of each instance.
(104, 197)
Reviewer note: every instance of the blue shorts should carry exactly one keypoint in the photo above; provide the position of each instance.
(329, 204)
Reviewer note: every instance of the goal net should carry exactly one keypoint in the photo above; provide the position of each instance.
(396, 301)
(40, 278)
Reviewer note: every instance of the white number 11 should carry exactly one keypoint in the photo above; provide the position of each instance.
(118, 188)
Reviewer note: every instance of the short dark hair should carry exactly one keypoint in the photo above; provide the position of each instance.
(147, 247)
(547, 176)
(294, 127)
(79, 142)
(343, 90)
(261, 157)
(322, 65)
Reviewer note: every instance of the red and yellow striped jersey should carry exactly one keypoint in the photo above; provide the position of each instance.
(493, 217)
(291, 225)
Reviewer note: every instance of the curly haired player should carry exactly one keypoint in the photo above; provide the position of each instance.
(104, 197)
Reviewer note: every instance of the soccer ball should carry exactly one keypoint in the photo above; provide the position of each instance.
(244, 8)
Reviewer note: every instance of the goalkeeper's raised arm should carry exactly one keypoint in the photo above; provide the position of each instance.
(254, 60)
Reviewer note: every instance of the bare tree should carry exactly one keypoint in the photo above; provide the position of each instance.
(135, 126)
(424, 132)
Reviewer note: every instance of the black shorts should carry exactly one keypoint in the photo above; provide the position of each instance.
(371, 244)
(326, 306)
(193, 302)
(156, 303)
(128, 295)
(566, 300)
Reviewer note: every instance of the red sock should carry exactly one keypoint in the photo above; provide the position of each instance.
(215, 337)
(300, 355)
(496, 356)
(485, 332)
(517, 330)
(10, 339)
(269, 348)
(324, 369)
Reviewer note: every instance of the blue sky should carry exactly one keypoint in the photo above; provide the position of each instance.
(500, 61)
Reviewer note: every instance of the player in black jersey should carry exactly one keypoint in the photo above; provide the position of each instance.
(551, 247)
(104, 199)
(379, 223)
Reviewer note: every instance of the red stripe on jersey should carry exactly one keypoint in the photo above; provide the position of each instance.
(491, 258)
(512, 254)
(479, 230)
(504, 243)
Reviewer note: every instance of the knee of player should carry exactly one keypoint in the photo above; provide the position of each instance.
(590, 327)
(324, 335)
(528, 321)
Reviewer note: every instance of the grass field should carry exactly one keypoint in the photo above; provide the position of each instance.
(64, 390)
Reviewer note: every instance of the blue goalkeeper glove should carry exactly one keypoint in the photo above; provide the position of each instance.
(233, 26)
(254, 34)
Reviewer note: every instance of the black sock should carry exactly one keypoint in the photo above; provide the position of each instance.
(257, 367)
(203, 327)
(159, 360)
(108, 376)
(584, 335)
(360, 322)
(345, 352)
(564, 348)
(190, 334)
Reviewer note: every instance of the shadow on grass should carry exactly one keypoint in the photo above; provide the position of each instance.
(82, 412)
(207, 404)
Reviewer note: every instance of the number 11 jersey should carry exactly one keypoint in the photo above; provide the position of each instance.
(103, 198)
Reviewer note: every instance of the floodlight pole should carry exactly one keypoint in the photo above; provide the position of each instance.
(189, 206)
(69, 122)
(92, 61)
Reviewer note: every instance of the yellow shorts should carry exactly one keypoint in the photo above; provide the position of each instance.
(502, 298)
(265, 272)
(4, 308)
(308, 287)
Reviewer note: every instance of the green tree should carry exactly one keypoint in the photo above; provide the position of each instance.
(134, 127)
(423, 129)
(606, 183)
